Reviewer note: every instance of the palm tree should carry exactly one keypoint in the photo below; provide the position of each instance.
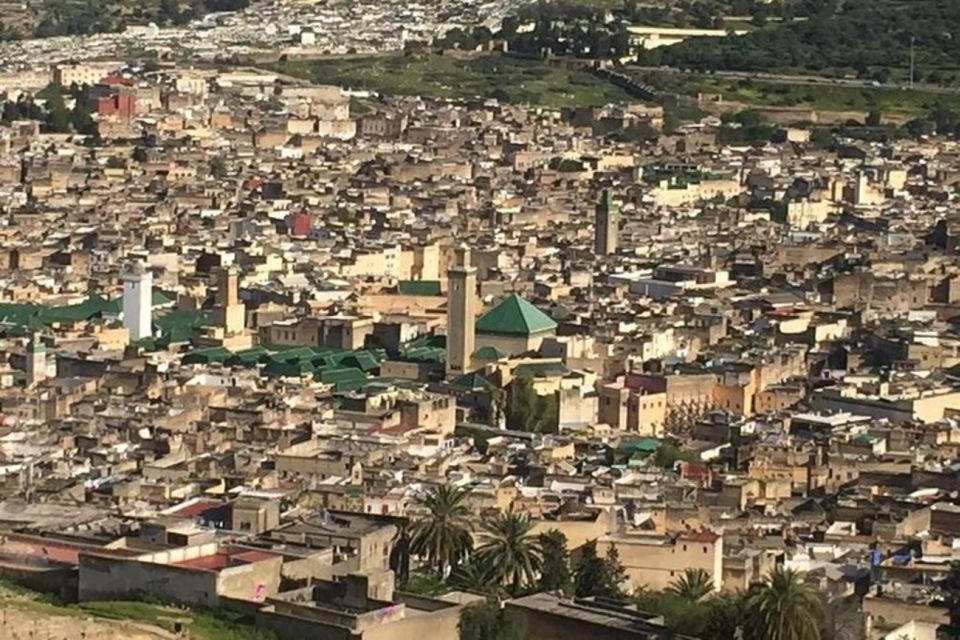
(510, 551)
(472, 575)
(693, 585)
(400, 554)
(443, 537)
(786, 607)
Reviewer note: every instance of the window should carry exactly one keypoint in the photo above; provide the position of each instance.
(704, 549)
(684, 547)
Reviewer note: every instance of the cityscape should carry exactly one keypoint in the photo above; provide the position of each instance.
(480, 320)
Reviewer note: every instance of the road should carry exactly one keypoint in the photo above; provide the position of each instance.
(856, 83)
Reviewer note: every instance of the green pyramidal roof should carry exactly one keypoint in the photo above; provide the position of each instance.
(515, 316)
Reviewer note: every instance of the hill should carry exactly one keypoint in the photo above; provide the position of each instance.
(867, 38)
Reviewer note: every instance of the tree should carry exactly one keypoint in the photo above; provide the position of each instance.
(951, 592)
(400, 554)
(80, 118)
(668, 455)
(725, 616)
(443, 537)
(599, 577)
(822, 138)
(510, 552)
(785, 608)
(58, 117)
(169, 10)
(526, 410)
(218, 167)
(873, 118)
(473, 575)
(694, 584)
(490, 621)
(509, 26)
(555, 573)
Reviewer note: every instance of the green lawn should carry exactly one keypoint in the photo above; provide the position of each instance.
(822, 97)
(510, 79)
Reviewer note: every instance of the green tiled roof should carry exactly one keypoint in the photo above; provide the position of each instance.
(489, 353)
(360, 360)
(248, 357)
(290, 368)
(473, 381)
(643, 445)
(178, 326)
(92, 307)
(515, 316)
(18, 314)
(342, 379)
(419, 287)
(429, 340)
(207, 356)
(425, 354)
(36, 315)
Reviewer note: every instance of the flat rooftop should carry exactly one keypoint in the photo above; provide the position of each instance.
(596, 613)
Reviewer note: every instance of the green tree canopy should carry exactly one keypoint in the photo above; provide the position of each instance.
(528, 411)
(694, 584)
(490, 621)
(58, 116)
(443, 537)
(786, 607)
(555, 574)
(510, 551)
(599, 577)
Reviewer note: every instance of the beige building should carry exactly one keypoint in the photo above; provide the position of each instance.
(655, 562)
(632, 408)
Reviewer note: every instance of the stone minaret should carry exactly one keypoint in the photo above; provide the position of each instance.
(606, 225)
(36, 361)
(231, 313)
(461, 313)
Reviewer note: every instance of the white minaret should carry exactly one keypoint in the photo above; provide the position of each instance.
(138, 301)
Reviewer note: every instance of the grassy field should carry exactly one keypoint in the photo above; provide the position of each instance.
(819, 97)
(509, 79)
(120, 619)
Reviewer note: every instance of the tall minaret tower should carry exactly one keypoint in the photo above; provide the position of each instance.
(138, 301)
(231, 313)
(606, 237)
(461, 312)
(36, 361)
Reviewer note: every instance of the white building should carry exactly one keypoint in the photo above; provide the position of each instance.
(138, 301)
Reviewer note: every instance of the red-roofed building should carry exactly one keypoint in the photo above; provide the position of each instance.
(300, 224)
(700, 474)
(195, 575)
(112, 97)
(47, 564)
